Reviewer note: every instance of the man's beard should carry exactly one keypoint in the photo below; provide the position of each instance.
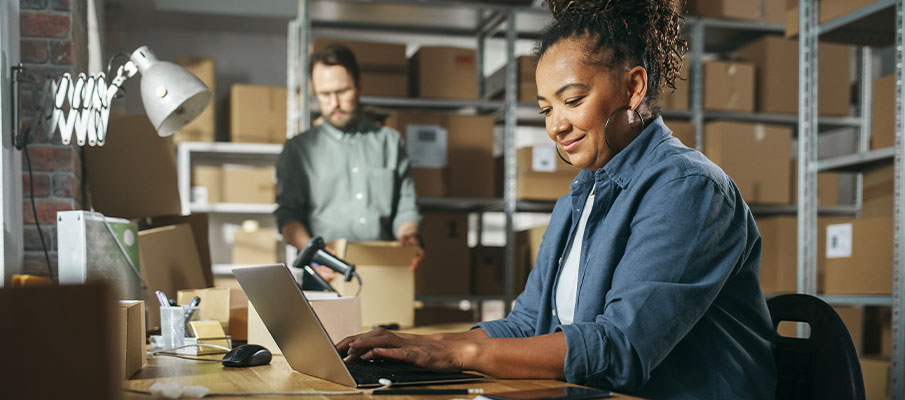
(349, 118)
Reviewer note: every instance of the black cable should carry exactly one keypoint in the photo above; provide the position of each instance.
(34, 210)
(121, 92)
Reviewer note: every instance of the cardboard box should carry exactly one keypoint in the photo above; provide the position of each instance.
(207, 184)
(340, 316)
(203, 127)
(526, 66)
(883, 119)
(853, 318)
(756, 157)
(878, 331)
(215, 303)
(169, 262)
(430, 182)
(734, 9)
(238, 308)
(443, 72)
(257, 114)
(827, 10)
(683, 130)
(779, 254)
(255, 247)
(875, 372)
(777, 88)
(388, 289)
(878, 197)
(532, 238)
(446, 267)
(729, 86)
(132, 333)
(488, 273)
(199, 224)
(134, 174)
(774, 11)
(678, 99)
(859, 257)
(243, 184)
(469, 149)
(827, 187)
(383, 66)
(62, 342)
(541, 175)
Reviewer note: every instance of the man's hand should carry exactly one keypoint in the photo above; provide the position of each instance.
(413, 239)
(423, 351)
(325, 272)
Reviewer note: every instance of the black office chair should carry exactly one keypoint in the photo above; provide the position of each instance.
(823, 366)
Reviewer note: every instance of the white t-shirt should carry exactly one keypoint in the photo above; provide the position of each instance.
(567, 287)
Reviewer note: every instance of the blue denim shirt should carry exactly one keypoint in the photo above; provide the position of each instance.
(668, 303)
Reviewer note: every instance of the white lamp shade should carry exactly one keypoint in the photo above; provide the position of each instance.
(172, 96)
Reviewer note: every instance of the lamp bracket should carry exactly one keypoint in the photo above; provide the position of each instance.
(80, 105)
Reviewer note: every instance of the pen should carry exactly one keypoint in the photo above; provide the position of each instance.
(426, 391)
(195, 301)
(162, 298)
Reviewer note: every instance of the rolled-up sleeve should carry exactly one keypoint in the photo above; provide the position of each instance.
(406, 205)
(686, 239)
(291, 196)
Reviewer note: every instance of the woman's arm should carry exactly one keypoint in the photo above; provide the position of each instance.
(532, 357)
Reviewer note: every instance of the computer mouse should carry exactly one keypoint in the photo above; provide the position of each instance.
(247, 355)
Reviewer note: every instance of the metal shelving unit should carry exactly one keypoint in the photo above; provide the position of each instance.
(878, 24)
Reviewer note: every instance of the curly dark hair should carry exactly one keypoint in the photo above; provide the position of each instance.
(623, 33)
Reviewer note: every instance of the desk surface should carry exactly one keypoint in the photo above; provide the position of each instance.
(278, 376)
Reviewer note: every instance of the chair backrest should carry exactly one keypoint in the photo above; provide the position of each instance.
(822, 366)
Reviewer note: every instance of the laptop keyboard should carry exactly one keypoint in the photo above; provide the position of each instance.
(370, 372)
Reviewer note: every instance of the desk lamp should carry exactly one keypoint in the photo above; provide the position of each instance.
(172, 98)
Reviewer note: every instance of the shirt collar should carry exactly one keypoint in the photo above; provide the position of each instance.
(363, 126)
(630, 160)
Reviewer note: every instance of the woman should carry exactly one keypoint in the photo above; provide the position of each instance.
(647, 278)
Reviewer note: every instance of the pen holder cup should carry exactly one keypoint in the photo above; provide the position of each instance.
(173, 321)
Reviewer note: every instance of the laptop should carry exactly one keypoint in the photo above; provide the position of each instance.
(307, 346)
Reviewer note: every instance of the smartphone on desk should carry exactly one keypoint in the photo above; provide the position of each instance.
(560, 393)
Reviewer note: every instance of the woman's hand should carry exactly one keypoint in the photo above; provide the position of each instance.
(423, 351)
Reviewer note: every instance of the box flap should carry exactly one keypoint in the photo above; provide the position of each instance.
(374, 253)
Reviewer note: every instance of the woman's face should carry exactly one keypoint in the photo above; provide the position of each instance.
(576, 99)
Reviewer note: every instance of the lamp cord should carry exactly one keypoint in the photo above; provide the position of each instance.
(34, 210)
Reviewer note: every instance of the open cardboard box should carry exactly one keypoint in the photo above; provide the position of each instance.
(388, 283)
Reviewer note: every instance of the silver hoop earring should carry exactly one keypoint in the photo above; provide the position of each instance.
(606, 126)
(560, 154)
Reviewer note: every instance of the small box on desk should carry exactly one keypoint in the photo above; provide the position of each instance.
(340, 316)
(859, 257)
(388, 283)
(133, 336)
(215, 303)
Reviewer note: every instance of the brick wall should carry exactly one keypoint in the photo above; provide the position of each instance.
(54, 41)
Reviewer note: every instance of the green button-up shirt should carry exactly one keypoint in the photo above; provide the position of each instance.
(355, 185)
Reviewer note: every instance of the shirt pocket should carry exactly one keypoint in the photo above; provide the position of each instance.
(381, 186)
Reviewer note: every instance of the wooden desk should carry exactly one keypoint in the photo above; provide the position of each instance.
(279, 377)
